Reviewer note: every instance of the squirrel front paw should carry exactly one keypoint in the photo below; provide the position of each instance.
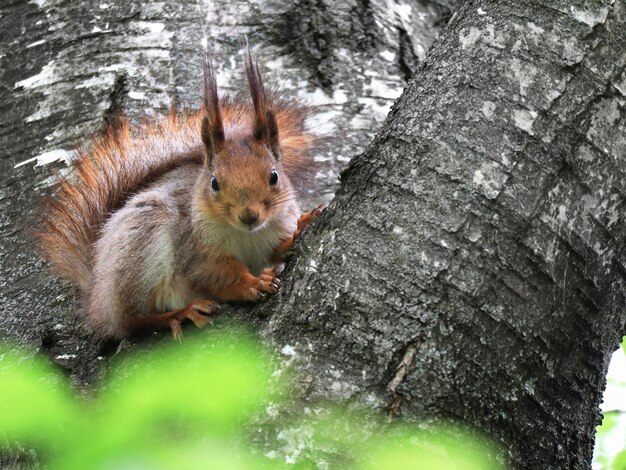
(197, 311)
(266, 283)
(307, 218)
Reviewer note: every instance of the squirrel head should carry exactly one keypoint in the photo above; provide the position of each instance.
(245, 183)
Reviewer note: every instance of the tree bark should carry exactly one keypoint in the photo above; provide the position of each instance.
(471, 264)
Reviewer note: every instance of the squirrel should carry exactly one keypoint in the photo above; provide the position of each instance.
(160, 225)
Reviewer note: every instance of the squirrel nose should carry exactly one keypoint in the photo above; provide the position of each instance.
(249, 217)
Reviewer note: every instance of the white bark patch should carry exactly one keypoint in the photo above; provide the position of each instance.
(535, 31)
(323, 123)
(614, 214)
(36, 43)
(317, 97)
(312, 266)
(276, 64)
(339, 96)
(389, 56)
(65, 357)
(590, 18)
(489, 179)
(45, 77)
(469, 39)
(474, 234)
(488, 108)
(404, 12)
(524, 120)
(155, 35)
(557, 91)
(49, 157)
(585, 154)
(572, 52)
(488, 35)
(97, 81)
(130, 70)
(607, 113)
(493, 39)
(566, 45)
(381, 88)
(524, 74)
(137, 95)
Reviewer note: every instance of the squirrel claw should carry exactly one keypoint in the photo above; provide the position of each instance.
(197, 311)
(206, 307)
(177, 331)
(273, 272)
(265, 284)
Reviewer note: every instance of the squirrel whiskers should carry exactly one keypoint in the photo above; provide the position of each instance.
(155, 226)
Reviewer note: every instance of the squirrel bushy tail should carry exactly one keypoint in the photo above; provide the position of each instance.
(120, 163)
(104, 175)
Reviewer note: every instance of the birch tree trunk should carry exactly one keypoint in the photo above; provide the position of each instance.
(471, 264)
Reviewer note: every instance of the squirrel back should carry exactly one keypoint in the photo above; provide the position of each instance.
(123, 161)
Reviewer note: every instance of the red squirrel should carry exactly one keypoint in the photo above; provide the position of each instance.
(156, 226)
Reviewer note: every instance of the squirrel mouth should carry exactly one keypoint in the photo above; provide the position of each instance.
(255, 227)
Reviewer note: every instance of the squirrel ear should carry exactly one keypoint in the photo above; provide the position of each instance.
(259, 98)
(265, 127)
(272, 133)
(207, 140)
(212, 126)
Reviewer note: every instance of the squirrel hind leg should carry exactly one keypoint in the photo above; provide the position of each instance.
(198, 311)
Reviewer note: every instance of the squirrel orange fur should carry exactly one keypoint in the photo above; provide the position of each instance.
(156, 226)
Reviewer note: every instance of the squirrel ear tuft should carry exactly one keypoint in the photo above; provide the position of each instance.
(259, 98)
(265, 127)
(272, 133)
(212, 125)
(207, 140)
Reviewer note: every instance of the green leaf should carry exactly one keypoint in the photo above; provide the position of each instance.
(203, 390)
(441, 446)
(36, 405)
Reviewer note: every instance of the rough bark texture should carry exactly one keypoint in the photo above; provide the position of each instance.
(471, 264)
(480, 237)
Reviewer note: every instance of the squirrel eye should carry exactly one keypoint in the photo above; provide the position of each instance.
(214, 184)
(273, 177)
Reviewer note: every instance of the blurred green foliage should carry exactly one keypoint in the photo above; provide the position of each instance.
(203, 405)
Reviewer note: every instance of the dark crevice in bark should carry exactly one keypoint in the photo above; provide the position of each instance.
(114, 115)
(400, 373)
(408, 61)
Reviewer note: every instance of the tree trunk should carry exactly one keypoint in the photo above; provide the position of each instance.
(471, 265)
